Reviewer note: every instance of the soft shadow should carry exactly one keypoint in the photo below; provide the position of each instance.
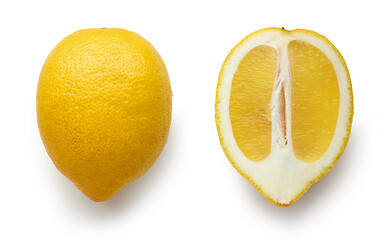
(129, 197)
(318, 193)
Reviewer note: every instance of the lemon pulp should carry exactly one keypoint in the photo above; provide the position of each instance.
(251, 94)
(314, 101)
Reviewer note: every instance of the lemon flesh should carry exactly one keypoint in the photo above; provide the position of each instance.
(249, 107)
(104, 109)
(314, 101)
(284, 108)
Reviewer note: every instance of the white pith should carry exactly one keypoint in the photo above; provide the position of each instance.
(281, 176)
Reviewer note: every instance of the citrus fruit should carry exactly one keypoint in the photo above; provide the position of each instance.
(284, 109)
(103, 108)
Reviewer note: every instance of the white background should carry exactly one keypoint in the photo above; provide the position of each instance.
(192, 191)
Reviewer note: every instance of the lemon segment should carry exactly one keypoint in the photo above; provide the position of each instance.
(314, 101)
(249, 106)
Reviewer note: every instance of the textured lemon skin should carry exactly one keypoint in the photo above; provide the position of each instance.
(219, 120)
(104, 109)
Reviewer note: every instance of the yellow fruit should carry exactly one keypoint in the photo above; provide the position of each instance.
(284, 109)
(104, 109)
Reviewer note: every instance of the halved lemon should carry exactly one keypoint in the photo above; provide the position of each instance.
(284, 109)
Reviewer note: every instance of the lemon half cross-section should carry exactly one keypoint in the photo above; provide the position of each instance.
(284, 109)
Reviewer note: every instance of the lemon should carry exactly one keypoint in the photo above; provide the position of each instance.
(104, 109)
(284, 109)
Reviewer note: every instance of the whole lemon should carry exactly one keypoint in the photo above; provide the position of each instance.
(104, 109)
